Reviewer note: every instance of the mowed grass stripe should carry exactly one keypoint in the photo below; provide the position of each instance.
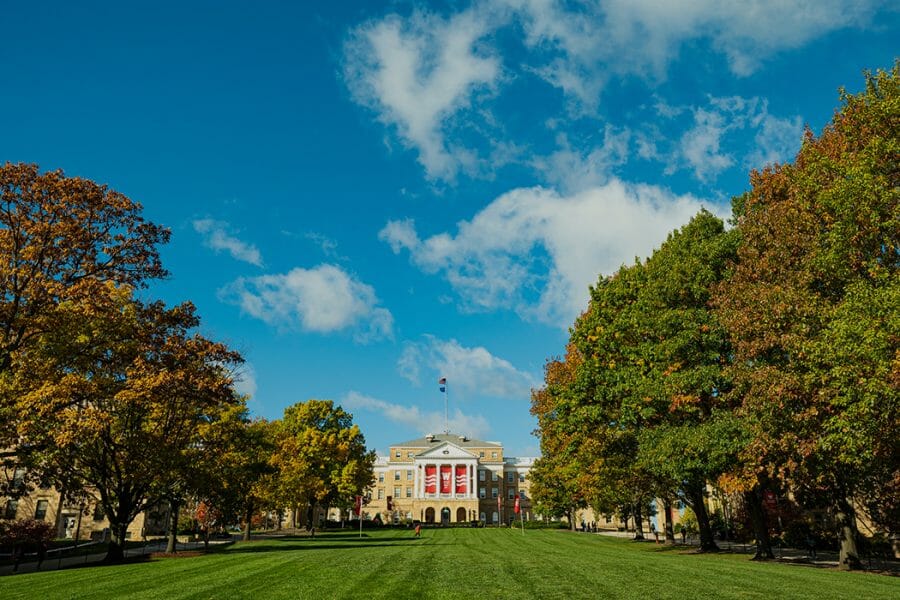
(450, 563)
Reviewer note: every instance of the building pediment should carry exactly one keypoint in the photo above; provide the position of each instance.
(447, 450)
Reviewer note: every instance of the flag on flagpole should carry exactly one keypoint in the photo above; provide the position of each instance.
(517, 504)
(443, 383)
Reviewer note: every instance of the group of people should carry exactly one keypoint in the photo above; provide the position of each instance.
(588, 527)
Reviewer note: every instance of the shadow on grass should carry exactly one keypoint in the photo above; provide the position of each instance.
(262, 548)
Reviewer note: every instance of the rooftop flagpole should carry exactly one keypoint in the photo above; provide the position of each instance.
(443, 383)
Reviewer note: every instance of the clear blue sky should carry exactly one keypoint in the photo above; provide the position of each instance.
(365, 197)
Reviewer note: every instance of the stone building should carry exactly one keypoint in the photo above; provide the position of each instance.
(448, 478)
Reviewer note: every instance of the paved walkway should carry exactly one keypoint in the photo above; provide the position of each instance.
(55, 561)
(789, 555)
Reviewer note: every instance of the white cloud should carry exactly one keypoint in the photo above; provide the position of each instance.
(536, 251)
(700, 148)
(588, 41)
(468, 370)
(572, 170)
(216, 236)
(777, 141)
(323, 300)
(475, 426)
(418, 74)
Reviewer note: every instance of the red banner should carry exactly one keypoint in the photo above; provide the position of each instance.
(446, 477)
(358, 507)
(461, 479)
(430, 479)
(517, 504)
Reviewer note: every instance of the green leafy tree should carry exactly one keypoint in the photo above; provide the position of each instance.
(233, 465)
(321, 457)
(812, 309)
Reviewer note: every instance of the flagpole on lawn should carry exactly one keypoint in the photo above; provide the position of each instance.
(518, 509)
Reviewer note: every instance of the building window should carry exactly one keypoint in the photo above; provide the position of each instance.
(495, 492)
(481, 454)
(493, 455)
(409, 475)
(41, 510)
(12, 507)
(480, 475)
(510, 477)
(409, 455)
(495, 476)
(381, 493)
(397, 491)
(396, 475)
(522, 494)
(521, 477)
(381, 477)
(409, 492)
(397, 454)
(481, 493)
(18, 478)
(511, 493)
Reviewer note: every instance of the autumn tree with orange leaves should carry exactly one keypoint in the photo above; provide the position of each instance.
(61, 239)
(813, 309)
(555, 475)
(125, 388)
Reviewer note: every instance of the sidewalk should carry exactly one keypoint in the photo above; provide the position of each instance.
(824, 558)
(52, 563)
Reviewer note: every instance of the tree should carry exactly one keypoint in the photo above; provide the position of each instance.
(555, 476)
(61, 238)
(230, 473)
(125, 387)
(812, 309)
(321, 457)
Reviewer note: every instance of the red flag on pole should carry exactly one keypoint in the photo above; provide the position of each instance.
(517, 504)
(358, 508)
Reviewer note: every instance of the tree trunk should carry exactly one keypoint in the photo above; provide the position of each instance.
(846, 521)
(753, 500)
(670, 531)
(115, 552)
(172, 541)
(638, 522)
(248, 518)
(707, 541)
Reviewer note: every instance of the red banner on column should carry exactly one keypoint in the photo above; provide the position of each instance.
(430, 479)
(462, 479)
(446, 476)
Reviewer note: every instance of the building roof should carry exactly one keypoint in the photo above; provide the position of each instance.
(437, 439)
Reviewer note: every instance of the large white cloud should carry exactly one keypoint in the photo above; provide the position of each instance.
(216, 235)
(536, 251)
(417, 73)
(592, 40)
(423, 422)
(323, 299)
(432, 79)
(468, 370)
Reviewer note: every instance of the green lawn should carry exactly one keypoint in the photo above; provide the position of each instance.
(451, 563)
